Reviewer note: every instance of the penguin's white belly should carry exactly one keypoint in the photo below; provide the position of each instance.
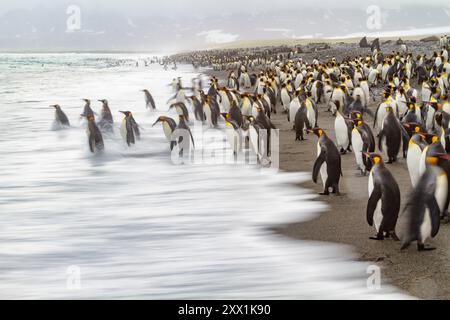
(425, 227)
(357, 144)
(377, 216)
(413, 162)
(253, 137)
(441, 190)
(341, 132)
(167, 131)
(380, 117)
(285, 99)
(311, 115)
(293, 108)
(323, 168)
(123, 130)
(246, 109)
(233, 139)
(422, 164)
(254, 111)
(430, 118)
(208, 115)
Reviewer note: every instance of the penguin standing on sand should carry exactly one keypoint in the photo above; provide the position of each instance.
(301, 122)
(95, 138)
(343, 130)
(422, 212)
(106, 121)
(383, 205)
(129, 128)
(362, 141)
(149, 101)
(416, 146)
(390, 136)
(60, 116)
(328, 163)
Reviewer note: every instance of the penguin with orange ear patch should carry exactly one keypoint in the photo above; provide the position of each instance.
(384, 199)
(328, 163)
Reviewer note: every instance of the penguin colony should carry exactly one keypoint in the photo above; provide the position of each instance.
(412, 121)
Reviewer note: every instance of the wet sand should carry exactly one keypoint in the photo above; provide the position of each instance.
(424, 275)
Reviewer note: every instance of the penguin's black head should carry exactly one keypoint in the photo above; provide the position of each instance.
(126, 113)
(356, 115)
(160, 119)
(87, 101)
(375, 158)
(317, 131)
(56, 106)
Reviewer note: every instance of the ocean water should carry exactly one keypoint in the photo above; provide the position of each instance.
(128, 223)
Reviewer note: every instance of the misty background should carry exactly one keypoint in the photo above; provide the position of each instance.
(171, 25)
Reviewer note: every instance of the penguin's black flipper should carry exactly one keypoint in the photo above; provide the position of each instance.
(435, 214)
(380, 138)
(376, 116)
(405, 141)
(192, 138)
(372, 204)
(130, 134)
(317, 165)
(91, 143)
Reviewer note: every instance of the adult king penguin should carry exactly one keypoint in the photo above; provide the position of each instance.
(60, 117)
(383, 205)
(106, 119)
(149, 101)
(328, 163)
(422, 212)
(129, 128)
(95, 138)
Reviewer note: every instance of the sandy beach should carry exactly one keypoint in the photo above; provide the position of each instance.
(423, 275)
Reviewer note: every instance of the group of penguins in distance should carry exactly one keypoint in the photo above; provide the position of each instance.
(415, 125)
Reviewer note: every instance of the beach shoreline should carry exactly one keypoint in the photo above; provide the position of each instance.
(424, 275)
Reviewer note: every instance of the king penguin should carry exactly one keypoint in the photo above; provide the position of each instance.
(328, 163)
(422, 212)
(60, 117)
(383, 205)
(149, 101)
(95, 138)
(106, 119)
(129, 128)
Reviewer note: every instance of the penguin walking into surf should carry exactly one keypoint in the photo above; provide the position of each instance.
(181, 109)
(106, 121)
(422, 212)
(234, 136)
(87, 111)
(60, 117)
(129, 128)
(183, 129)
(383, 205)
(169, 125)
(95, 138)
(328, 163)
(149, 101)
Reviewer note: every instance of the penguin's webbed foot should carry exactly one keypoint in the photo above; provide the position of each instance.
(325, 193)
(378, 237)
(421, 247)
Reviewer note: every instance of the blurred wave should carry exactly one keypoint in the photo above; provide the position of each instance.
(134, 224)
